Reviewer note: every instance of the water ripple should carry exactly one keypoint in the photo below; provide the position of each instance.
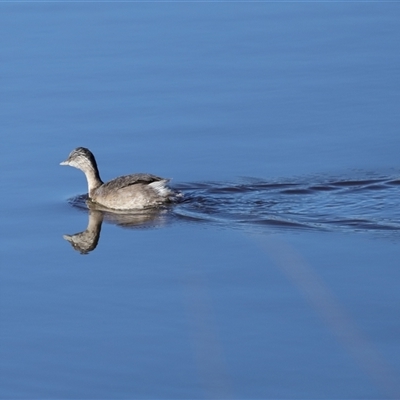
(324, 204)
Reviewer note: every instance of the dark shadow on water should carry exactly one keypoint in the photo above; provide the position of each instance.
(367, 205)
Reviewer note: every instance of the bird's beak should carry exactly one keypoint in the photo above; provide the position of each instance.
(64, 162)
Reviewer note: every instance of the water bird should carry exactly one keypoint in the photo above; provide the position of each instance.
(128, 192)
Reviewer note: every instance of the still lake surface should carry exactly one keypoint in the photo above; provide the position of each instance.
(277, 275)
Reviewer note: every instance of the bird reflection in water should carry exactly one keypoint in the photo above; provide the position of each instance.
(87, 241)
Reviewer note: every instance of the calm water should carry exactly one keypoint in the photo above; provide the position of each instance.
(276, 275)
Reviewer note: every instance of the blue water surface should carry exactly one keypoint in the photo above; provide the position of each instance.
(276, 275)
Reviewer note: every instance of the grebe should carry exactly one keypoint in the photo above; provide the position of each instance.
(128, 192)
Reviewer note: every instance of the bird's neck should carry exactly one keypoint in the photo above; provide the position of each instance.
(93, 179)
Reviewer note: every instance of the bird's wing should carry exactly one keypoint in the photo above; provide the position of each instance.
(134, 179)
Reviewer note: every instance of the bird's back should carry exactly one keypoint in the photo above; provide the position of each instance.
(133, 192)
